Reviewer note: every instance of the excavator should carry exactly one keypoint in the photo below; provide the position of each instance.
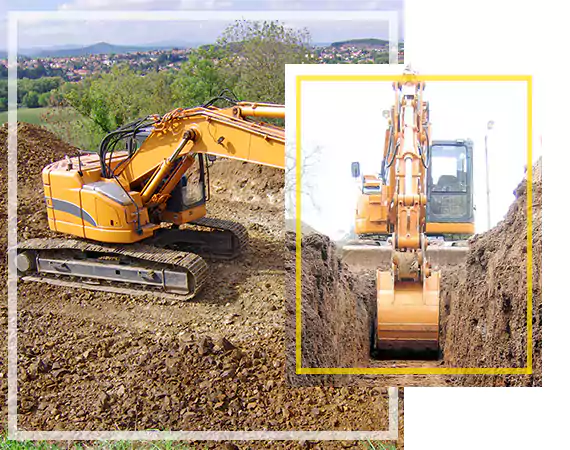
(137, 208)
(412, 217)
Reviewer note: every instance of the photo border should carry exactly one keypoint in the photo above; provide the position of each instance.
(179, 15)
(299, 79)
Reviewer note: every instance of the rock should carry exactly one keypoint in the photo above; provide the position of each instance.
(229, 446)
(236, 354)
(229, 373)
(226, 345)
(206, 346)
(103, 401)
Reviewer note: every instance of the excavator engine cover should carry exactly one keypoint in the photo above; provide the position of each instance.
(407, 317)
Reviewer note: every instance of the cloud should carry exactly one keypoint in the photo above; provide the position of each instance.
(123, 5)
(208, 4)
(261, 5)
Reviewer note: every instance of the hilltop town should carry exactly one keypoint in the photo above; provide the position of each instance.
(76, 67)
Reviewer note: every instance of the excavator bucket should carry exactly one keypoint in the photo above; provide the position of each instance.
(407, 317)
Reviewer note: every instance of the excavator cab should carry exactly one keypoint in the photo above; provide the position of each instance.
(192, 189)
(449, 212)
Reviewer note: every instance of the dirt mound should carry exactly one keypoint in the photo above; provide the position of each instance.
(36, 148)
(246, 182)
(215, 363)
(335, 310)
(484, 302)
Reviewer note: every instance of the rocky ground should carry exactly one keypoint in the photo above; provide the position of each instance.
(96, 361)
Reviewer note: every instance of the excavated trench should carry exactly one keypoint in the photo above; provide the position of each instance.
(483, 305)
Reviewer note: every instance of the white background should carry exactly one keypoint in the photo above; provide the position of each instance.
(451, 36)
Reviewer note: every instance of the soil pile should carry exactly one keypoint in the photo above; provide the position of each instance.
(37, 147)
(245, 182)
(94, 361)
(484, 301)
(90, 375)
(335, 310)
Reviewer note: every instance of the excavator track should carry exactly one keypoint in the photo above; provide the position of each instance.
(209, 237)
(134, 269)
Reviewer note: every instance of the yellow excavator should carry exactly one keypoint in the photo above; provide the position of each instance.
(412, 217)
(138, 206)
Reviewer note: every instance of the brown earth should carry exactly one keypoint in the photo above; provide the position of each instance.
(485, 300)
(483, 306)
(334, 311)
(36, 147)
(92, 361)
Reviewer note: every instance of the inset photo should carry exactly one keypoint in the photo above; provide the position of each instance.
(413, 215)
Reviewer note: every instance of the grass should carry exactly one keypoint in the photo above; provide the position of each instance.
(378, 446)
(6, 444)
(29, 115)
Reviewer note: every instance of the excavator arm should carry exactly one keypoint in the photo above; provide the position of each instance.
(408, 294)
(167, 153)
(221, 132)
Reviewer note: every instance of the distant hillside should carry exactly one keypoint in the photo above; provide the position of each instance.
(361, 43)
(101, 48)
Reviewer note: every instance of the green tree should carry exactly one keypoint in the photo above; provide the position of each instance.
(44, 99)
(31, 99)
(256, 54)
(201, 77)
(107, 101)
(72, 127)
(3, 95)
(39, 85)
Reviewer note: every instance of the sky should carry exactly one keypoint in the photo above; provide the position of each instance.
(46, 34)
(343, 121)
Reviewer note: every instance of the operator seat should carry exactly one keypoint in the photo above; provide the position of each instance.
(448, 183)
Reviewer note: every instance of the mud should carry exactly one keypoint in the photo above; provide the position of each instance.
(484, 308)
(93, 361)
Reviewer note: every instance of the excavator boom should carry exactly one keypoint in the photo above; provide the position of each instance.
(408, 294)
